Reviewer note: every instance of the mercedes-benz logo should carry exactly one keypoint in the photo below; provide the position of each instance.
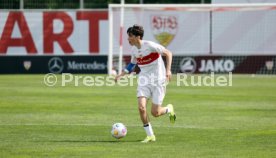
(188, 65)
(55, 65)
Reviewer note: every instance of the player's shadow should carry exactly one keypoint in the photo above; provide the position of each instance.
(92, 141)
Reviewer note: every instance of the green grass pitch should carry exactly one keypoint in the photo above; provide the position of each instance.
(75, 121)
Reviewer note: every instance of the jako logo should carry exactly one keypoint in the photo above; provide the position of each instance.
(216, 66)
(187, 65)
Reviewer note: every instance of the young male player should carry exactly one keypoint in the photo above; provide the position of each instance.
(152, 77)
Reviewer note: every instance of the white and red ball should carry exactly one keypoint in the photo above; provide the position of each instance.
(118, 130)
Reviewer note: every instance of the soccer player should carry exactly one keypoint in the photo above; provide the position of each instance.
(152, 77)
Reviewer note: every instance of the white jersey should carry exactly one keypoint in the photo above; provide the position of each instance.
(150, 61)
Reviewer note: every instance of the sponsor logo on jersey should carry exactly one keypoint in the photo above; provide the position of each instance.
(148, 59)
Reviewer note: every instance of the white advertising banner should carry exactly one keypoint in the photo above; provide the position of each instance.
(244, 32)
(243, 1)
(181, 32)
(201, 32)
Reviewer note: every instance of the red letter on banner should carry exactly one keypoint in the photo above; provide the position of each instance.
(25, 41)
(62, 38)
(93, 18)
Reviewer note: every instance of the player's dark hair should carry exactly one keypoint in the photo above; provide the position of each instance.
(136, 30)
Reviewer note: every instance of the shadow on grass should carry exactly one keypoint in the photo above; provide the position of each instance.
(90, 141)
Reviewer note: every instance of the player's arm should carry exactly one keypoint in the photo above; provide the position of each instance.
(127, 70)
(168, 55)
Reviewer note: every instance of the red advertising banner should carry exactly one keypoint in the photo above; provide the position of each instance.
(52, 32)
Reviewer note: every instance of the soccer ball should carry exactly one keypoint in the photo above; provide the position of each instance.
(118, 130)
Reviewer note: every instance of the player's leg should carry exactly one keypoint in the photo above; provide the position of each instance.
(158, 94)
(143, 92)
(142, 102)
(157, 110)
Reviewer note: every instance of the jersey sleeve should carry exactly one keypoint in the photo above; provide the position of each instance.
(155, 47)
(133, 59)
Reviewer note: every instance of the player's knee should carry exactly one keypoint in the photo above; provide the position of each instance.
(142, 109)
(155, 113)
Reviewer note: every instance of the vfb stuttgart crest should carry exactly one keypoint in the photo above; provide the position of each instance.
(164, 28)
(27, 65)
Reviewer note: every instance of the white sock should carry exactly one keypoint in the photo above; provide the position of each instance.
(168, 110)
(148, 129)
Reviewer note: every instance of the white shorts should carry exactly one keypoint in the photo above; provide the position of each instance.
(155, 92)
